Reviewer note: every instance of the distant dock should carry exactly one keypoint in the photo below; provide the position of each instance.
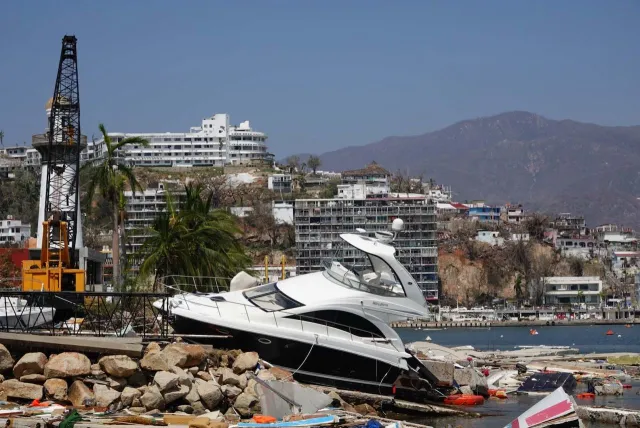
(523, 323)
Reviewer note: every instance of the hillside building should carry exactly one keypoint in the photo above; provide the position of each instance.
(214, 143)
(366, 203)
(484, 213)
(13, 231)
(569, 290)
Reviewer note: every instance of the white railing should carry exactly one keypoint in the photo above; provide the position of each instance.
(253, 314)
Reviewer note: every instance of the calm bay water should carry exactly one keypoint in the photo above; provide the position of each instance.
(588, 339)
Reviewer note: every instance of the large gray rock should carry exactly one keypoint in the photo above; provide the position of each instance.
(166, 380)
(128, 395)
(230, 391)
(209, 392)
(6, 360)
(118, 365)
(15, 389)
(155, 361)
(185, 378)
(470, 377)
(442, 370)
(80, 395)
(176, 393)
(152, 348)
(33, 378)
(31, 363)
(104, 395)
(116, 383)
(55, 389)
(193, 395)
(228, 377)
(67, 364)
(609, 389)
(266, 375)
(152, 398)
(246, 404)
(245, 361)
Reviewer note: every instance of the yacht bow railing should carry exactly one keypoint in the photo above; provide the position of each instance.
(225, 309)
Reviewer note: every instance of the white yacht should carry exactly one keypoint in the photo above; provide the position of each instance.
(328, 327)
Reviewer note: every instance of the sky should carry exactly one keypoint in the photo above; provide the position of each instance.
(321, 75)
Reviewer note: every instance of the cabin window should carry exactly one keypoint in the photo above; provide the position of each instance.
(346, 321)
(269, 298)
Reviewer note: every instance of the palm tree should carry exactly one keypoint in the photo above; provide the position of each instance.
(109, 177)
(193, 239)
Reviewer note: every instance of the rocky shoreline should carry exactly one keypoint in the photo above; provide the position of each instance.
(177, 378)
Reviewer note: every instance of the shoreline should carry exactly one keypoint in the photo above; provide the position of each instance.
(523, 323)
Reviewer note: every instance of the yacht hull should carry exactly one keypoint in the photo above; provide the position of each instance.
(314, 364)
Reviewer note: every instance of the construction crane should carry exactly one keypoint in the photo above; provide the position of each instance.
(58, 267)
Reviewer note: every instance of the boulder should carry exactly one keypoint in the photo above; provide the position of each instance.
(185, 408)
(152, 398)
(609, 389)
(128, 395)
(470, 377)
(80, 395)
(67, 364)
(252, 388)
(184, 355)
(6, 360)
(245, 361)
(152, 348)
(55, 389)
(31, 363)
(192, 396)
(246, 404)
(230, 391)
(209, 392)
(176, 393)
(204, 376)
(281, 374)
(266, 375)
(166, 380)
(154, 361)
(441, 370)
(118, 365)
(228, 377)
(13, 388)
(104, 395)
(198, 408)
(33, 378)
(116, 383)
(184, 377)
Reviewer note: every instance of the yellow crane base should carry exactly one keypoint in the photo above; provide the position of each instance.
(36, 276)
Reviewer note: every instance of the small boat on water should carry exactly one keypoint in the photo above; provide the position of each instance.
(533, 332)
(610, 333)
(628, 325)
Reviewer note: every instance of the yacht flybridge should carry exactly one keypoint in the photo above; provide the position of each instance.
(328, 327)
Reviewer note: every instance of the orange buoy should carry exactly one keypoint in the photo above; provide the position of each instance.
(264, 419)
(464, 400)
(501, 394)
(586, 396)
(610, 333)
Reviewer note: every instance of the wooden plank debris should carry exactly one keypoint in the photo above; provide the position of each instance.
(96, 345)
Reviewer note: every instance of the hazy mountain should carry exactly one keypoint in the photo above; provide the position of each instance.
(548, 165)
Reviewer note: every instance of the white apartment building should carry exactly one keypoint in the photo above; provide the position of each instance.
(280, 183)
(214, 143)
(12, 230)
(514, 214)
(565, 290)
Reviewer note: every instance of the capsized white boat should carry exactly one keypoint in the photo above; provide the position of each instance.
(16, 313)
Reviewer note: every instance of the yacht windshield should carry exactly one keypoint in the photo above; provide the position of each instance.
(363, 271)
(269, 298)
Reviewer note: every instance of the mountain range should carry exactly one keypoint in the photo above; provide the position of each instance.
(520, 157)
